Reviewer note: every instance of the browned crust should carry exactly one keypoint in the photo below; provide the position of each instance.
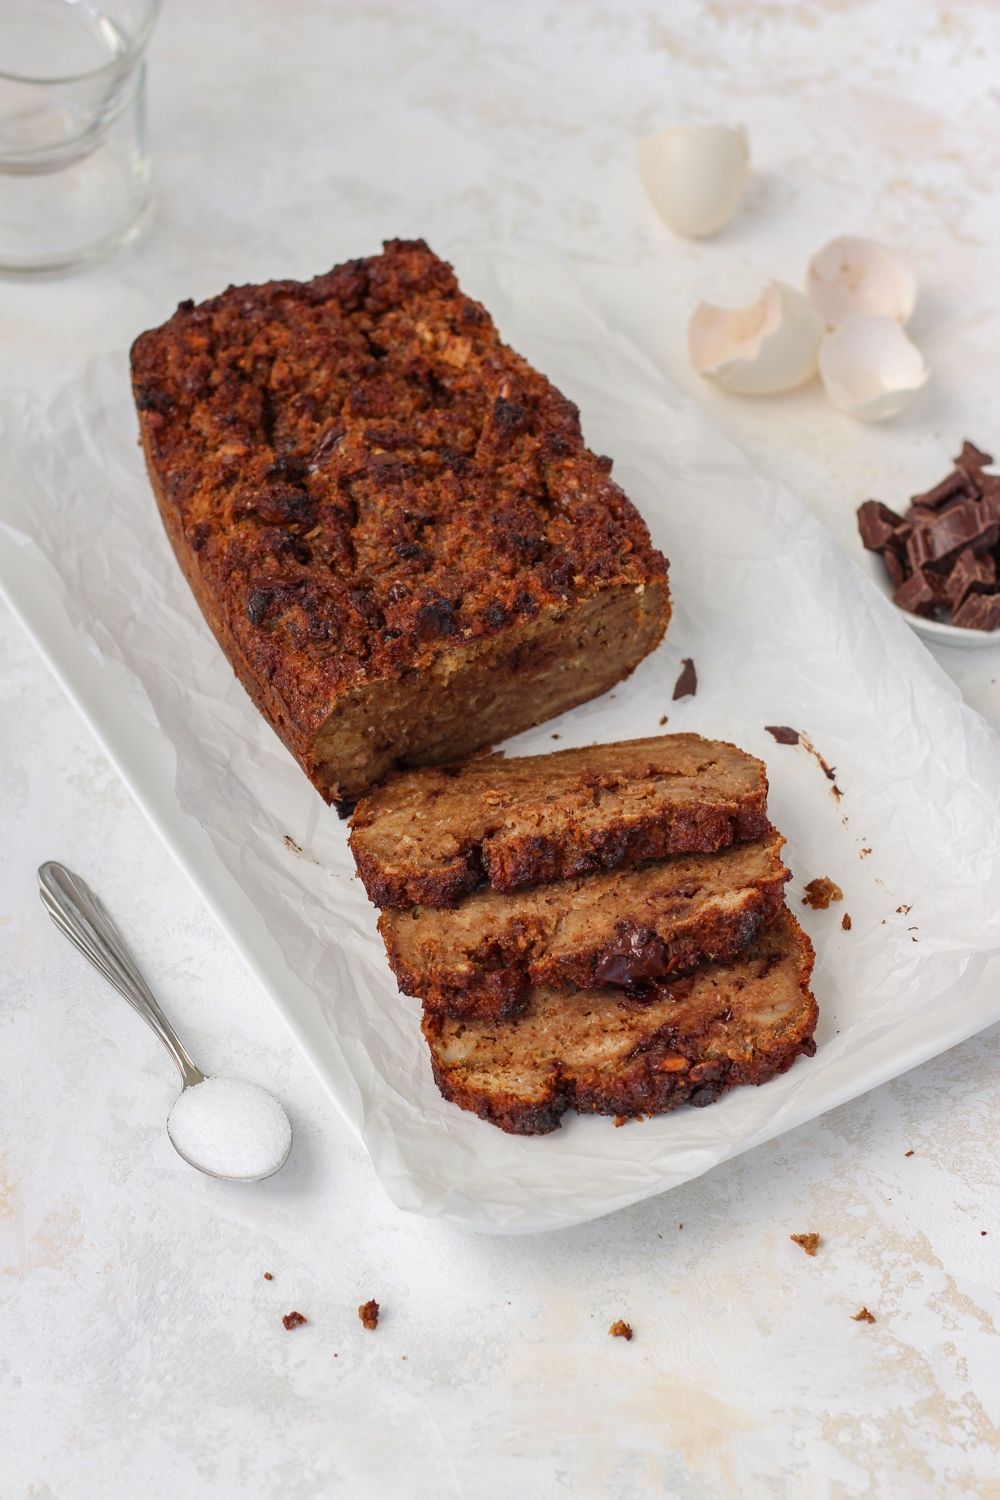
(500, 993)
(641, 1091)
(360, 480)
(518, 862)
(643, 1085)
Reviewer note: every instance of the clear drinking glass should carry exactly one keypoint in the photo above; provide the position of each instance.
(74, 169)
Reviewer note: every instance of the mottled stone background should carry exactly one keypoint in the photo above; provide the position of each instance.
(141, 1351)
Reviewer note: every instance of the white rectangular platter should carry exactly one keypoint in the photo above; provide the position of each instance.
(783, 628)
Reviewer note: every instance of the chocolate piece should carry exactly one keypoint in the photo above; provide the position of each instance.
(972, 459)
(639, 954)
(879, 526)
(953, 487)
(961, 525)
(989, 505)
(978, 612)
(687, 683)
(971, 572)
(921, 594)
(783, 734)
(894, 566)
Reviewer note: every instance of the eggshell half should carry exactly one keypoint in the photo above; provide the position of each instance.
(694, 175)
(870, 368)
(854, 275)
(759, 350)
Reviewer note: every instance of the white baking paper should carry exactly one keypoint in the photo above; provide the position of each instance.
(783, 628)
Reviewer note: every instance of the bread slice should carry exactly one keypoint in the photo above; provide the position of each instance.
(389, 519)
(607, 1053)
(428, 837)
(621, 927)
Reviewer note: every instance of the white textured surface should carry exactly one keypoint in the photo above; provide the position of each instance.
(142, 1354)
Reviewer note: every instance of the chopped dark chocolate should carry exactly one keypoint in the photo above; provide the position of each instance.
(971, 572)
(879, 526)
(687, 683)
(961, 525)
(921, 594)
(943, 555)
(978, 612)
(954, 486)
(894, 566)
(972, 459)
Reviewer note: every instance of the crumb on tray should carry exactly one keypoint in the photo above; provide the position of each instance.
(807, 1241)
(621, 1330)
(368, 1313)
(294, 1320)
(846, 922)
(820, 892)
(863, 1316)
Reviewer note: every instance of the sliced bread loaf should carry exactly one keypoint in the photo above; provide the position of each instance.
(427, 837)
(606, 1052)
(620, 927)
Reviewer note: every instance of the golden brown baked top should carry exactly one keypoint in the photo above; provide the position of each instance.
(366, 473)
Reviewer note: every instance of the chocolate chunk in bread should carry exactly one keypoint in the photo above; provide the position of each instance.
(608, 1053)
(624, 928)
(428, 837)
(389, 519)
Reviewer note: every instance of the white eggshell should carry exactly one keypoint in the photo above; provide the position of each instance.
(694, 175)
(759, 350)
(853, 275)
(870, 368)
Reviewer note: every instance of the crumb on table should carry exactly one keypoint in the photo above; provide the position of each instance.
(863, 1316)
(620, 1329)
(294, 1320)
(368, 1313)
(846, 922)
(820, 892)
(268, 1276)
(807, 1241)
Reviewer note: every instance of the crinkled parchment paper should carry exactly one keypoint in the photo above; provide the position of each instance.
(783, 628)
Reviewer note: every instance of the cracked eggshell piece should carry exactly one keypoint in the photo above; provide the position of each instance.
(870, 368)
(854, 275)
(760, 350)
(694, 175)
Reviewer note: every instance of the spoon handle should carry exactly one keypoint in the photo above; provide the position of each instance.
(78, 914)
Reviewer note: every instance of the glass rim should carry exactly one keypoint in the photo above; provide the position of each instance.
(136, 47)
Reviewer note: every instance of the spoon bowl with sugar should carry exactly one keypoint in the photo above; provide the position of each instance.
(226, 1128)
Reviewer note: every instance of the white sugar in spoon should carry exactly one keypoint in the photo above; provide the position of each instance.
(229, 1129)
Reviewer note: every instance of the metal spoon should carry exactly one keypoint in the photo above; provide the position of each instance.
(79, 915)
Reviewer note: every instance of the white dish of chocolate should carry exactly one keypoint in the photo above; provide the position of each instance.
(939, 560)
